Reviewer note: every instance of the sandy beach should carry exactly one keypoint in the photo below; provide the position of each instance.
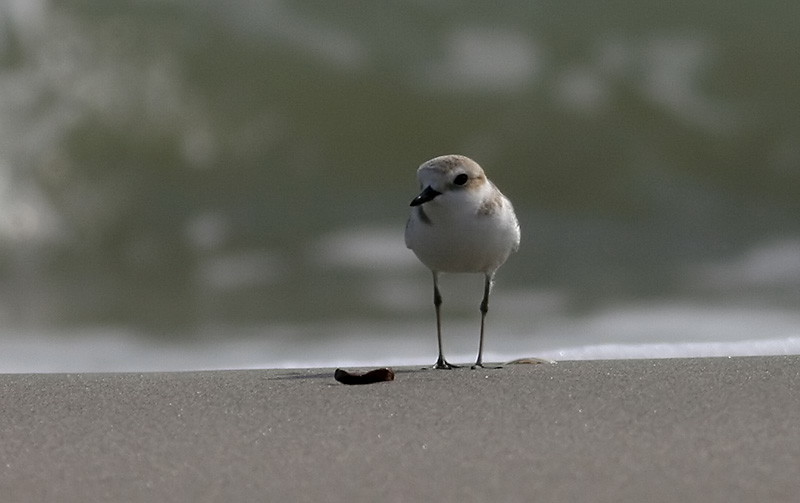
(717, 429)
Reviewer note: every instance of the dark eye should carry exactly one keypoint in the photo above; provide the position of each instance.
(460, 179)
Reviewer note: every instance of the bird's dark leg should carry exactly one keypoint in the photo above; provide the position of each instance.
(441, 363)
(487, 287)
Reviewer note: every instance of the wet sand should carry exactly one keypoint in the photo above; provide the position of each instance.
(715, 429)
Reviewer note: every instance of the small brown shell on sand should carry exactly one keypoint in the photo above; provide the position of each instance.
(530, 361)
(377, 375)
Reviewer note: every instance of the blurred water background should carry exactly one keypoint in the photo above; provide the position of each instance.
(196, 184)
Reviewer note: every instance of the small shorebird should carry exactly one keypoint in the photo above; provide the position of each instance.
(460, 222)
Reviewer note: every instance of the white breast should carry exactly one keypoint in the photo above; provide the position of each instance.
(462, 236)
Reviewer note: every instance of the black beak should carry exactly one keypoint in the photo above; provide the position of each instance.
(424, 196)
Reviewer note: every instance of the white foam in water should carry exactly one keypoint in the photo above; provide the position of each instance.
(47, 354)
(766, 347)
(665, 331)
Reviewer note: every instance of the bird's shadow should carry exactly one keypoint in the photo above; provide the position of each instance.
(300, 374)
(305, 374)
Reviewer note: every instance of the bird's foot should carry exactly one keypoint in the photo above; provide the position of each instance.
(441, 363)
(482, 366)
